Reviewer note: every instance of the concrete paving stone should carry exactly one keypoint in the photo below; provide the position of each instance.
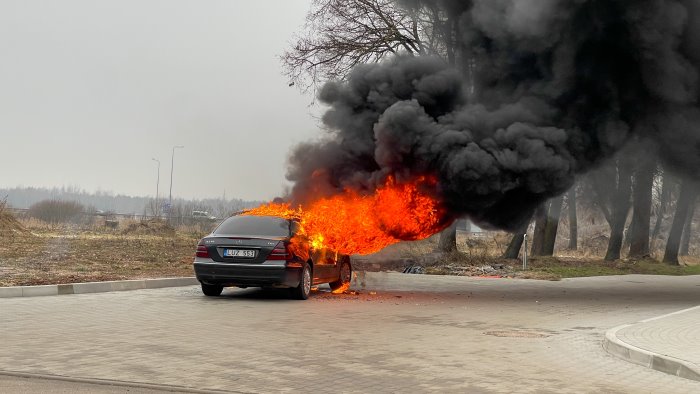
(418, 333)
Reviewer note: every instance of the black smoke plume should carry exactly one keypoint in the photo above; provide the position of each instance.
(543, 91)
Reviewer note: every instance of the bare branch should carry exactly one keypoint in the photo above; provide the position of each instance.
(340, 34)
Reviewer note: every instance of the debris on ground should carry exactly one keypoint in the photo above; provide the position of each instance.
(485, 270)
(439, 263)
(414, 269)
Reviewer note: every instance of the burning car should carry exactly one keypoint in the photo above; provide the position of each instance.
(267, 251)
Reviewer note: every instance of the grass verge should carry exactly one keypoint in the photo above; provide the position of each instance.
(572, 268)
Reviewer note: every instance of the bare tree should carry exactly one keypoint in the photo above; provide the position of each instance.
(340, 34)
(687, 230)
(152, 208)
(539, 231)
(544, 235)
(641, 214)
(685, 199)
(573, 220)
(613, 187)
(550, 230)
(667, 184)
(516, 242)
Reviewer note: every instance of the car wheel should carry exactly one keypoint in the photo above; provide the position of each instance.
(302, 291)
(212, 290)
(343, 282)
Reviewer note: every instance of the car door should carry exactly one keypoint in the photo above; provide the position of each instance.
(325, 265)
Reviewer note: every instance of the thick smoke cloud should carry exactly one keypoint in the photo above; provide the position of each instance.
(555, 88)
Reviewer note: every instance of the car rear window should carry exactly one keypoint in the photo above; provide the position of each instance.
(254, 225)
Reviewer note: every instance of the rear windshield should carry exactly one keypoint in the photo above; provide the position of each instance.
(269, 226)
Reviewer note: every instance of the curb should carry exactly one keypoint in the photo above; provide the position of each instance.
(660, 362)
(95, 287)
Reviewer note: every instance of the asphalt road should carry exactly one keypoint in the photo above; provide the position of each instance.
(402, 333)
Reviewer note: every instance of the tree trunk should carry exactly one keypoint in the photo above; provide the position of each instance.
(687, 195)
(550, 230)
(540, 224)
(601, 196)
(687, 230)
(663, 205)
(620, 210)
(515, 243)
(641, 216)
(448, 239)
(573, 221)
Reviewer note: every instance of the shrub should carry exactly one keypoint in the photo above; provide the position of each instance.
(55, 211)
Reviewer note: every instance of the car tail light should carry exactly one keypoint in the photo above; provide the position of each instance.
(202, 251)
(280, 252)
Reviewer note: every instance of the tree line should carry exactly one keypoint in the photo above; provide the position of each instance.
(59, 204)
(637, 198)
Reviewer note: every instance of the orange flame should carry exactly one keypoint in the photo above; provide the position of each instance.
(354, 223)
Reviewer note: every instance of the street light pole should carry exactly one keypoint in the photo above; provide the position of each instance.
(170, 198)
(157, 212)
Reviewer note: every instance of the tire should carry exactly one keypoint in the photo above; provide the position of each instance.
(344, 279)
(212, 290)
(302, 291)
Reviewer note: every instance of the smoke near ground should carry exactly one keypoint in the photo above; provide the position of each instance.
(543, 90)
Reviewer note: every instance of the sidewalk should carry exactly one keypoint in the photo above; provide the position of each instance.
(668, 343)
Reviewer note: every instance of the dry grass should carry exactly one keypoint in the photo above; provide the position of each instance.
(50, 254)
(9, 225)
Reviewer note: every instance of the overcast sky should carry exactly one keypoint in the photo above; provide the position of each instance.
(91, 90)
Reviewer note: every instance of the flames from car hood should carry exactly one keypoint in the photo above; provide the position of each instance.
(351, 222)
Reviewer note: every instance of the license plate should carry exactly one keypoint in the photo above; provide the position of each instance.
(245, 253)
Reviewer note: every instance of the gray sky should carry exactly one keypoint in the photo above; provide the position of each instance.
(91, 90)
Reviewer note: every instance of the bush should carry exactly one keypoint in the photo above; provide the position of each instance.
(55, 211)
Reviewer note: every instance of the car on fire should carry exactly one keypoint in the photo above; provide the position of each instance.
(269, 252)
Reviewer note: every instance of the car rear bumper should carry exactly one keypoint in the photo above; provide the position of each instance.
(253, 275)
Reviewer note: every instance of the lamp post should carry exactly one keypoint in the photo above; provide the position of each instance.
(157, 211)
(170, 198)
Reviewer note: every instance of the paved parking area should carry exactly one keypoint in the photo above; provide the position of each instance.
(402, 333)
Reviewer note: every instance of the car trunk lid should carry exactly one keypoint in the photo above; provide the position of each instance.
(240, 250)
